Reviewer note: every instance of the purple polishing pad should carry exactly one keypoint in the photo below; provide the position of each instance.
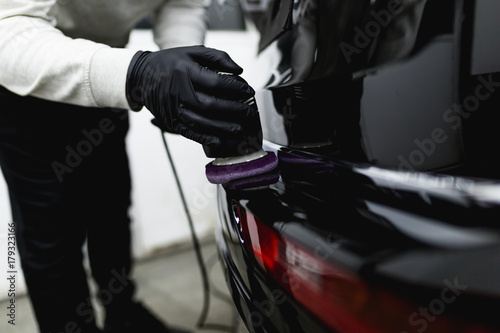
(224, 173)
(254, 182)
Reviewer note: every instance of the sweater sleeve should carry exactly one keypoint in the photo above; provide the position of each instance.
(37, 59)
(181, 23)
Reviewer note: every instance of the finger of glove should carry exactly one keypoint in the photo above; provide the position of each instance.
(204, 139)
(219, 108)
(216, 60)
(161, 125)
(224, 86)
(201, 124)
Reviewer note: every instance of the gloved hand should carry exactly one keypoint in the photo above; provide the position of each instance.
(183, 90)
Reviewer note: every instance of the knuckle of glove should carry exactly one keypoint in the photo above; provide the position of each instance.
(194, 136)
(191, 123)
(207, 102)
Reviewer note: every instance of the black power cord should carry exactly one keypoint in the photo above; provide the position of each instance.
(201, 323)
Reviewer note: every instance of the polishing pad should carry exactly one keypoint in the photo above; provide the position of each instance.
(220, 174)
(254, 182)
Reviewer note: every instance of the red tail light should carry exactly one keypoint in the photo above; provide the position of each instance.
(337, 297)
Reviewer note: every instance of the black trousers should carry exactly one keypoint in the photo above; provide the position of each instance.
(68, 177)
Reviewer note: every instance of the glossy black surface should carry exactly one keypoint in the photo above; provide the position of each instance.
(405, 98)
(387, 155)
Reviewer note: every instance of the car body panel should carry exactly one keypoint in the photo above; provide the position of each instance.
(387, 192)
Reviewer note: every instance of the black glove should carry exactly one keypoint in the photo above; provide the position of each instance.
(183, 90)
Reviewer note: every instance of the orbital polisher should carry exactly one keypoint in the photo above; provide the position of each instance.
(240, 157)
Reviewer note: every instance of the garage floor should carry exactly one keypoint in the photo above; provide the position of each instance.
(169, 284)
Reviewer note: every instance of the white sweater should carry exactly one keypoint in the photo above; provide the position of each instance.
(72, 51)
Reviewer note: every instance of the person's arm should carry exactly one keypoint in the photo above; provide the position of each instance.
(37, 59)
(181, 23)
(181, 87)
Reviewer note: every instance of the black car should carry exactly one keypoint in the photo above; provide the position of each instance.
(384, 212)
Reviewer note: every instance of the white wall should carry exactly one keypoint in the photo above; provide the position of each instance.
(158, 216)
